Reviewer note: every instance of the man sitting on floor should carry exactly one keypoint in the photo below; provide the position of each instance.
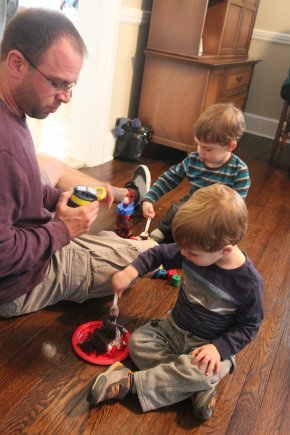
(45, 255)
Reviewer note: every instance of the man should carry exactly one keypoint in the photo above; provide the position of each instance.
(45, 257)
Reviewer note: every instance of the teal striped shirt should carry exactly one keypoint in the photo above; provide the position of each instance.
(234, 173)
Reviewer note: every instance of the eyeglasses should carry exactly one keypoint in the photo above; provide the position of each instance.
(58, 86)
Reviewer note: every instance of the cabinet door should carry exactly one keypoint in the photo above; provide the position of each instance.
(246, 27)
(221, 25)
(176, 26)
(228, 27)
(231, 27)
(252, 3)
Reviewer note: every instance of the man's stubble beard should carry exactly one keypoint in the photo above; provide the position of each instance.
(28, 104)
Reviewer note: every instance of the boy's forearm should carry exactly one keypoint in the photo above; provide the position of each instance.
(131, 272)
(167, 254)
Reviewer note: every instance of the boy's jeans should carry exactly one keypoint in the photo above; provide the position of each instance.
(162, 352)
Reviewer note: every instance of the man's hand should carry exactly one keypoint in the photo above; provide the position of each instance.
(77, 220)
(208, 358)
(148, 210)
(122, 280)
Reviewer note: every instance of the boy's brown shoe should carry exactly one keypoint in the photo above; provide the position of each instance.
(112, 384)
(204, 403)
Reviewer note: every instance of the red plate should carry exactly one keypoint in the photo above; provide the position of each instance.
(81, 334)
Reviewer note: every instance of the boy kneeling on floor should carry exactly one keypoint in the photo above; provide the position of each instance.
(217, 313)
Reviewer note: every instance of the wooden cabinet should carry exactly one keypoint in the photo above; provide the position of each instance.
(197, 55)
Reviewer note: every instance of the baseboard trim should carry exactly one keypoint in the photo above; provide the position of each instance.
(261, 126)
(265, 35)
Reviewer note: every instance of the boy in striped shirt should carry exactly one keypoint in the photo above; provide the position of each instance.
(217, 132)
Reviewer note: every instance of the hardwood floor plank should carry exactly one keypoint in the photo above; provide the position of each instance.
(269, 418)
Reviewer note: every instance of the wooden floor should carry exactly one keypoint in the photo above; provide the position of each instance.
(44, 384)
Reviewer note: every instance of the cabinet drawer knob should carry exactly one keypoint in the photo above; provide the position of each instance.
(239, 78)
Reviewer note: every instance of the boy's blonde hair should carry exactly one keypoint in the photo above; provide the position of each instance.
(214, 217)
(221, 124)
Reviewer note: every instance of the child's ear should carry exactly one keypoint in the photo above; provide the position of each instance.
(232, 146)
(227, 250)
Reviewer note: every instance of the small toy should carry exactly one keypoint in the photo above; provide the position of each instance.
(124, 216)
(175, 281)
(161, 273)
(84, 195)
(170, 274)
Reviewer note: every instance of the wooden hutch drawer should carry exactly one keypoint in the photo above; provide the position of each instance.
(237, 80)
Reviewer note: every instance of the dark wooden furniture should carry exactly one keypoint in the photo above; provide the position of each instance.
(44, 384)
(197, 55)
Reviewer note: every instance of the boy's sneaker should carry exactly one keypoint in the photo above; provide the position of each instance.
(204, 403)
(157, 235)
(112, 384)
(140, 184)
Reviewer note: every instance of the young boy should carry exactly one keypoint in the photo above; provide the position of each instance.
(217, 132)
(217, 313)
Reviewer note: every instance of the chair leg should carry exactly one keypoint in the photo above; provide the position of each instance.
(279, 129)
(285, 133)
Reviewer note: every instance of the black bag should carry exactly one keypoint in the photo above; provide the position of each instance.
(131, 138)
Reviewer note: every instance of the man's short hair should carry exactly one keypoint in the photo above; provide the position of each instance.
(34, 30)
(214, 217)
(221, 123)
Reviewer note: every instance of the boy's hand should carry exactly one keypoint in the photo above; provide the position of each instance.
(208, 358)
(122, 280)
(148, 210)
(77, 220)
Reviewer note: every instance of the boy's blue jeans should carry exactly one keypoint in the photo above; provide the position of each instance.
(162, 352)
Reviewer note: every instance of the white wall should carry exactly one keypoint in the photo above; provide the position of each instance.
(271, 44)
(91, 140)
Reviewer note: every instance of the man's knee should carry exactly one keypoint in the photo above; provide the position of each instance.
(51, 169)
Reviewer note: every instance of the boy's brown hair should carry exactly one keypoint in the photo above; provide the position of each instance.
(221, 124)
(214, 217)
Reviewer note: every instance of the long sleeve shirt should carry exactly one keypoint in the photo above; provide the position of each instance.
(29, 235)
(234, 173)
(220, 305)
